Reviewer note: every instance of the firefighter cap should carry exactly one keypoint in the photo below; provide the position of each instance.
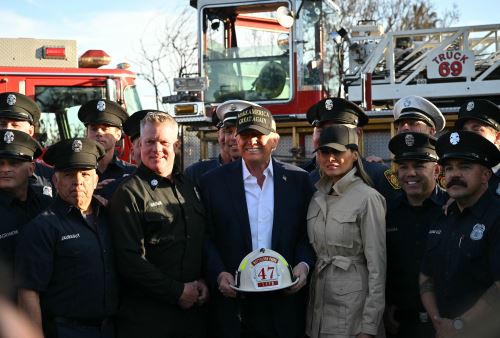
(413, 146)
(132, 125)
(417, 108)
(102, 111)
(75, 153)
(255, 118)
(227, 111)
(469, 146)
(482, 110)
(336, 110)
(18, 145)
(19, 107)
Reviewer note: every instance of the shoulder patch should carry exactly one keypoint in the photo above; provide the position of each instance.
(441, 181)
(391, 177)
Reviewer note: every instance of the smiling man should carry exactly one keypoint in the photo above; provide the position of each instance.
(158, 240)
(460, 275)
(64, 262)
(252, 203)
(408, 221)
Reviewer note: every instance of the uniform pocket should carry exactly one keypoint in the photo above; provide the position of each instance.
(344, 301)
(313, 213)
(340, 229)
(158, 226)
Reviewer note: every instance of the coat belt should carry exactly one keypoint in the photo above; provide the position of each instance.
(343, 262)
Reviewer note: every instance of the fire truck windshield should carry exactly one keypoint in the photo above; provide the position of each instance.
(245, 54)
(59, 106)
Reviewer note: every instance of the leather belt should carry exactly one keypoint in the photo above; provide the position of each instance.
(86, 322)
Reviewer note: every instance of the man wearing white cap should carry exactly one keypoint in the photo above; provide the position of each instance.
(416, 114)
(225, 121)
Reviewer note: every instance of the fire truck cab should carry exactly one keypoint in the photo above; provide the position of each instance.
(288, 54)
(49, 72)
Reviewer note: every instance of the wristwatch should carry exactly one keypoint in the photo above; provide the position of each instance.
(458, 324)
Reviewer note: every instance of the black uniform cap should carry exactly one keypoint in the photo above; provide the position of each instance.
(102, 112)
(19, 145)
(413, 146)
(76, 153)
(469, 146)
(132, 126)
(255, 118)
(336, 110)
(19, 107)
(338, 137)
(482, 110)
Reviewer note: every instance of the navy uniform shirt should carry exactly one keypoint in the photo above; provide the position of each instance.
(494, 183)
(463, 254)
(69, 262)
(14, 214)
(407, 228)
(41, 180)
(196, 170)
(376, 172)
(117, 169)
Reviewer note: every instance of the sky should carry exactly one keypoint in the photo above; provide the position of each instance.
(117, 26)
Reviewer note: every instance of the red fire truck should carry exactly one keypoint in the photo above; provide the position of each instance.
(49, 72)
(287, 54)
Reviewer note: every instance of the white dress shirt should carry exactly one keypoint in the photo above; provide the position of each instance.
(260, 206)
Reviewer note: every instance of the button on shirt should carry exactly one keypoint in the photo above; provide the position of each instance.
(260, 206)
(463, 254)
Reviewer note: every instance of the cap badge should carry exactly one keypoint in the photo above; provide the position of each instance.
(8, 137)
(232, 107)
(477, 232)
(407, 103)
(454, 138)
(409, 140)
(101, 105)
(11, 99)
(77, 146)
(154, 182)
(329, 104)
(47, 191)
(470, 106)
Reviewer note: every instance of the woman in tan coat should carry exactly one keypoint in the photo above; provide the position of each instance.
(346, 226)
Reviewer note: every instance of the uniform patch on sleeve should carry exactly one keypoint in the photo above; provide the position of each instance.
(391, 177)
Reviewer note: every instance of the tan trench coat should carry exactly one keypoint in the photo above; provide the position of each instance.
(347, 231)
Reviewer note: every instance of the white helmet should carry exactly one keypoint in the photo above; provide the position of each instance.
(263, 270)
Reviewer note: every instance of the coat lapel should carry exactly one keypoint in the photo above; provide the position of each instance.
(239, 203)
(280, 208)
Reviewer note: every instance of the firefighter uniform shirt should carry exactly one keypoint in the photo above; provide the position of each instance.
(15, 214)
(68, 260)
(407, 229)
(158, 231)
(463, 254)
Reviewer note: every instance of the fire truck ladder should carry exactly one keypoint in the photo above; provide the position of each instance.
(397, 73)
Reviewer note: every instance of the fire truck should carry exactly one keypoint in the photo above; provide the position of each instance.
(287, 55)
(50, 72)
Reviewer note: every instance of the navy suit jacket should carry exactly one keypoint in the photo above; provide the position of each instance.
(228, 225)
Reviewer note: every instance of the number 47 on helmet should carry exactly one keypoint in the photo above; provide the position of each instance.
(263, 270)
